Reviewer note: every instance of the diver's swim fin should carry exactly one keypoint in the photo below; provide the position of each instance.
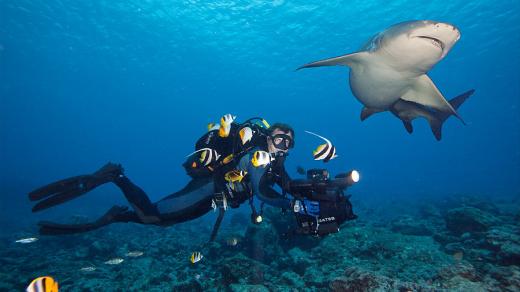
(67, 189)
(111, 216)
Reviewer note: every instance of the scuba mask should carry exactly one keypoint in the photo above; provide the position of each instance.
(282, 141)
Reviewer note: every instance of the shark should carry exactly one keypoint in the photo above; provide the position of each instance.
(389, 73)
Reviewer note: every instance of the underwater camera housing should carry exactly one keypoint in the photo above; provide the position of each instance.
(334, 206)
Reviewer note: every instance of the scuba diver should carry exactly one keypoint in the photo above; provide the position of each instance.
(232, 163)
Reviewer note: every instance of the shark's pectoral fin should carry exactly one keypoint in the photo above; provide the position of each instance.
(408, 126)
(367, 112)
(425, 93)
(345, 60)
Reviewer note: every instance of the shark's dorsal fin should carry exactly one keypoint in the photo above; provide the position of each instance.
(345, 60)
(424, 92)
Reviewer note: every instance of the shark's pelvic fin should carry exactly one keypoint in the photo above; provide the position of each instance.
(367, 112)
(424, 92)
(345, 60)
(408, 126)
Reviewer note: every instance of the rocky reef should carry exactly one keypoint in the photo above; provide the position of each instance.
(463, 244)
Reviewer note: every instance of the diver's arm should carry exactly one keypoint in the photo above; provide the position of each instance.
(261, 186)
(270, 196)
(286, 179)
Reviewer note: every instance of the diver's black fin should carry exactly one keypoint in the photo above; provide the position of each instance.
(56, 187)
(67, 189)
(59, 199)
(51, 228)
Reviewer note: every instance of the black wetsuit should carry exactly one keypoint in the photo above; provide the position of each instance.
(195, 199)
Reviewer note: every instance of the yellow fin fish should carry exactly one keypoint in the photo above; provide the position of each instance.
(228, 159)
(246, 134)
(235, 175)
(43, 284)
(261, 158)
(225, 125)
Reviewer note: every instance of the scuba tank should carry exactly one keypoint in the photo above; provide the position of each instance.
(229, 149)
(220, 152)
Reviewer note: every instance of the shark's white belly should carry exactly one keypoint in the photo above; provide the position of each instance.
(378, 86)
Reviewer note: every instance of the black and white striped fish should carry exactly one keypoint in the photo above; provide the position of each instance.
(325, 151)
(208, 156)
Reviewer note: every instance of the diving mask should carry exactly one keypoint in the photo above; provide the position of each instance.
(282, 141)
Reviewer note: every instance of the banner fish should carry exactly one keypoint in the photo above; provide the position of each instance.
(324, 152)
(207, 157)
(196, 257)
(43, 284)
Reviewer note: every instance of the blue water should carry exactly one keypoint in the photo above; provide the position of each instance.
(136, 82)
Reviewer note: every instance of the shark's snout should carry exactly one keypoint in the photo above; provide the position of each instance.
(441, 34)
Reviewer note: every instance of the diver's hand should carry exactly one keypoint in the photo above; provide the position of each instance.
(307, 207)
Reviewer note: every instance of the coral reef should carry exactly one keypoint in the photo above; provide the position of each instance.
(450, 245)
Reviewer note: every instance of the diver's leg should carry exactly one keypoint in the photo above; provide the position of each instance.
(145, 210)
(115, 214)
(191, 202)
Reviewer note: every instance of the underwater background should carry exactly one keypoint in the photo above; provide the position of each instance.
(136, 82)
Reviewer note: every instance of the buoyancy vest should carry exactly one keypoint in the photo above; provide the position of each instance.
(228, 149)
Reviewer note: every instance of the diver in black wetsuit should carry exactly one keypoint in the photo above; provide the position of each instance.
(250, 170)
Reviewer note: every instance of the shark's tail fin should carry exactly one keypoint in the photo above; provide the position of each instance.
(440, 117)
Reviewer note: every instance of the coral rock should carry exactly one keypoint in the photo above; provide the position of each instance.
(469, 219)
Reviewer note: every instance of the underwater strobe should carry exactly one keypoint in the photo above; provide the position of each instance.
(334, 206)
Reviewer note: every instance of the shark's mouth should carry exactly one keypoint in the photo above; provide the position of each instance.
(434, 41)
